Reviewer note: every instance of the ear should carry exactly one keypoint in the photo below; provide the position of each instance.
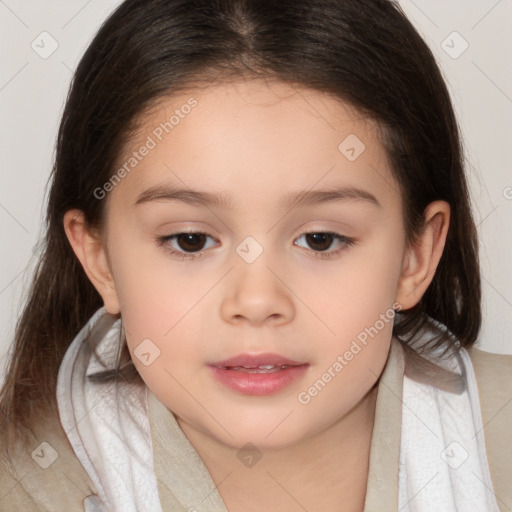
(90, 250)
(422, 256)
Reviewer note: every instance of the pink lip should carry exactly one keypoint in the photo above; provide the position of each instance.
(227, 373)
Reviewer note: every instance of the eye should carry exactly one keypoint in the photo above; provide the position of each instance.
(186, 245)
(321, 241)
(190, 245)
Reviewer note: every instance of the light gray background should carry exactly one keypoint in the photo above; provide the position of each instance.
(33, 89)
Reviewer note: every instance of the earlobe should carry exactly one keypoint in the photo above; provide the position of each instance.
(422, 257)
(90, 250)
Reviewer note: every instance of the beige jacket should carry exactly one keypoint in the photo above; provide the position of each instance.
(184, 483)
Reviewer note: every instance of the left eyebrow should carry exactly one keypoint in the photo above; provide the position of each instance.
(312, 197)
(293, 200)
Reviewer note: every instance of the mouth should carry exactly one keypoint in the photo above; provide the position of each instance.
(252, 361)
(258, 374)
(268, 368)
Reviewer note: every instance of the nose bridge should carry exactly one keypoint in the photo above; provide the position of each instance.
(256, 293)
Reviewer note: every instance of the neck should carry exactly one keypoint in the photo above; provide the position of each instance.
(327, 471)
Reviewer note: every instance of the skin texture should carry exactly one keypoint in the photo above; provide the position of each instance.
(254, 142)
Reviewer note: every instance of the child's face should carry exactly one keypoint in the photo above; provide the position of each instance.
(258, 286)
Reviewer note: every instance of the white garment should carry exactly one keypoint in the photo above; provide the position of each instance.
(443, 462)
(112, 437)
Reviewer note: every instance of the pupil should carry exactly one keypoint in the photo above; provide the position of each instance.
(188, 241)
(319, 238)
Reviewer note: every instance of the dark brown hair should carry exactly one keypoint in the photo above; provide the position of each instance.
(365, 52)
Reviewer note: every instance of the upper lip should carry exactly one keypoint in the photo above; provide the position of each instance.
(255, 360)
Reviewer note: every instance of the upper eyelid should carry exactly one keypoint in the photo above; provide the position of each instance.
(199, 232)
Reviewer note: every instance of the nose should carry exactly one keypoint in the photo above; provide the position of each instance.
(257, 294)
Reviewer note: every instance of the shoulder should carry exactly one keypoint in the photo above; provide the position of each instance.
(494, 380)
(486, 361)
(45, 475)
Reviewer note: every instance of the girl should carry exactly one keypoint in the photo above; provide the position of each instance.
(260, 285)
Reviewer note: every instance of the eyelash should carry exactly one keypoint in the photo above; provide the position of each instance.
(163, 242)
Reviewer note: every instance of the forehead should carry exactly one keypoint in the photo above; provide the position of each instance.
(228, 135)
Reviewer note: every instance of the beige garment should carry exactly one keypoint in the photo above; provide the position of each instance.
(492, 371)
(184, 481)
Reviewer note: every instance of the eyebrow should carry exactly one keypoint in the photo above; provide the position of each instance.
(293, 200)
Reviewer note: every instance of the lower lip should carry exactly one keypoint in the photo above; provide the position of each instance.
(259, 383)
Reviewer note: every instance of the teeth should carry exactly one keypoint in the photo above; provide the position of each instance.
(257, 369)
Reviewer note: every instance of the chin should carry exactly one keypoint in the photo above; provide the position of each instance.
(263, 435)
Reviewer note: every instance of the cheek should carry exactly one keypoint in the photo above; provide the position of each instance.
(352, 292)
(346, 377)
(357, 306)
(154, 291)
(355, 303)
